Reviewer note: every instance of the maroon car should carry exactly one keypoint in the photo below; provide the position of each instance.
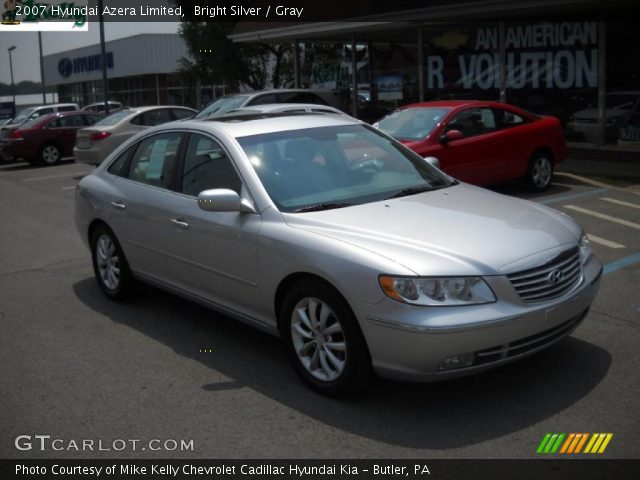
(481, 142)
(46, 139)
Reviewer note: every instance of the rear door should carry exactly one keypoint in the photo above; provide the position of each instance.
(141, 204)
(63, 131)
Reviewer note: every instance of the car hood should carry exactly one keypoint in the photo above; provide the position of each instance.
(460, 230)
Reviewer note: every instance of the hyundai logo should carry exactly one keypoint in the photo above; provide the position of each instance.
(65, 67)
(555, 277)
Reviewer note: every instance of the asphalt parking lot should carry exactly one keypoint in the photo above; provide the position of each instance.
(77, 366)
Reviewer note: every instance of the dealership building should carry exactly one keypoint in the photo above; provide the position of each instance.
(141, 70)
(572, 59)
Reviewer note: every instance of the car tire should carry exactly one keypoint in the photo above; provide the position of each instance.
(110, 265)
(323, 339)
(49, 154)
(540, 172)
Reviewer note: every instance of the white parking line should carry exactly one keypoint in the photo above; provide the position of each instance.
(602, 241)
(33, 179)
(620, 221)
(68, 188)
(619, 202)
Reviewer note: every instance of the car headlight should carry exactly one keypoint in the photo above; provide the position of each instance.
(585, 248)
(437, 291)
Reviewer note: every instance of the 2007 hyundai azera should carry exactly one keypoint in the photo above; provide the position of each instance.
(360, 254)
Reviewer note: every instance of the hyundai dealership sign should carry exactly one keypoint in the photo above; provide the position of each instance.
(88, 63)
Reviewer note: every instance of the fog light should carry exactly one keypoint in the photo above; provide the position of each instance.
(457, 361)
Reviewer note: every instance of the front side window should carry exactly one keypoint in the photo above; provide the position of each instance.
(207, 166)
(67, 108)
(331, 167)
(154, 160)
(473, 121)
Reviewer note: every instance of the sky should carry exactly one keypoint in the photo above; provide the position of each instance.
(26, 60)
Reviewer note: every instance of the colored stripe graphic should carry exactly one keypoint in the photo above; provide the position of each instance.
(598, 442)
(573, 443)
(550, 443)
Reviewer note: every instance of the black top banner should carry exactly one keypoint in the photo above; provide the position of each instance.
(292, 11)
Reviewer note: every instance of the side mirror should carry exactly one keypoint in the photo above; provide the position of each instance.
(223, 200)
(433, 161)
(450, 136)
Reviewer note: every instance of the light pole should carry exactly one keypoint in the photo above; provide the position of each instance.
(13, 85)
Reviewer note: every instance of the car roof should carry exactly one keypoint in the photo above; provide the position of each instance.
(237, 125)
(453, 103)
(276, 107)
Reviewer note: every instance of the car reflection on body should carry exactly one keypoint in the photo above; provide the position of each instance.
(318, 228)
(481, 142)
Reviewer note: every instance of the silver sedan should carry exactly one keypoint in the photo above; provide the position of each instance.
(361, 255)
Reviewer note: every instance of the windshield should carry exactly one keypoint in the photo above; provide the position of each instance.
(22, 116)
(412, 123)
(114, 118)
(332, 167)
(223, 105)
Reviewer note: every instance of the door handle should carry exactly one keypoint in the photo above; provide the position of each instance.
(118, 204)
(180, 223)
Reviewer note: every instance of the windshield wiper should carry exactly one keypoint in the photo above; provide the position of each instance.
(322, 206)
(412, 191)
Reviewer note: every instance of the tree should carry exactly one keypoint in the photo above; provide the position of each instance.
(215, 59)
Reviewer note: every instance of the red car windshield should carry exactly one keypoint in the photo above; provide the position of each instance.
(412, 123)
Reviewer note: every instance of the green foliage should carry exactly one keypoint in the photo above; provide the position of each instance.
(219, 61)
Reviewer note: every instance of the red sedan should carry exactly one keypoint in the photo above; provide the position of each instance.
(46, 139)
(481, 142)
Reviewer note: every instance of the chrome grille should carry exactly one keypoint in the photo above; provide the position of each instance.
(550, 280)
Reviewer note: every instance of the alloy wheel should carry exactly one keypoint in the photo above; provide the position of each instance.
(318, 339)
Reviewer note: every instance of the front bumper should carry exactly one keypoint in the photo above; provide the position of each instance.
(409, 343)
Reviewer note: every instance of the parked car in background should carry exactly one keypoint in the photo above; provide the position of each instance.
(620, 109)
(249, 99)
(31, 113)
(481, 142)
(46, 139)
(99, 107)
(352, 248)
(95, 143)
(289, 108)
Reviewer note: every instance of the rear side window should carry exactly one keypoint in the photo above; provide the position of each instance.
(68, 108)
(180, 113)
(67, 122)
(508, 119)
(154, 160)
(153, 118)
(114, 118)
(92, 119)
(264, 100)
